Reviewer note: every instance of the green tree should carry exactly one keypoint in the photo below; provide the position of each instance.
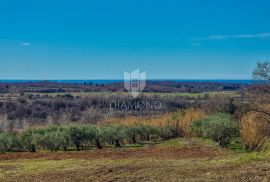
(166, 132)
(77, 135)
(147, 132)
(28, 141)
(64, 138)
(114, 134)
(8, 142)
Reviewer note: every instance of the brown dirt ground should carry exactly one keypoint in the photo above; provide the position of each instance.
(143, 164)
(154, 152)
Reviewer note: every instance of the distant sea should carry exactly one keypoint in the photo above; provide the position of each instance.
(116, 81)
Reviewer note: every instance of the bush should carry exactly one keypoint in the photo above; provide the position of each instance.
(92, 135)
(114, 134)
(64, 138)
(77, 135)
(166, 132)
(84, 134)
(56, 138)
(133, 133)
(147, 132)
(252, 130)
(51, 140)
(9, 142)
(27, 140)
(219, 127)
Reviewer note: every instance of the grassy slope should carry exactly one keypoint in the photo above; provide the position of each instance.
(174, 160)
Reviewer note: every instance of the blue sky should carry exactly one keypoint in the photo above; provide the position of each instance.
(100, 39)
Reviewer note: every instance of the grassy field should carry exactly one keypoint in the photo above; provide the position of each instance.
(174, 160)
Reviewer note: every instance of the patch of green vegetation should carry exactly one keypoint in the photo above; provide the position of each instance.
(235, 146)
(242, 158)
(251, 157)
(219, 127)
(45, 165)
(183, 142)
(26, 166)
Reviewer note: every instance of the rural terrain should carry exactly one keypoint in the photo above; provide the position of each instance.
(134, 91)
(173, 160)
(170, 132)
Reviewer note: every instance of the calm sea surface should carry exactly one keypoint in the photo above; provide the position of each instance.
(115, 81)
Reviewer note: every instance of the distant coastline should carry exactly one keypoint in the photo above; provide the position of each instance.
(117, 81)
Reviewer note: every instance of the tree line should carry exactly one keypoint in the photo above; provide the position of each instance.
(78, 137)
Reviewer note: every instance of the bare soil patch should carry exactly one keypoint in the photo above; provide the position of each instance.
(122, 153)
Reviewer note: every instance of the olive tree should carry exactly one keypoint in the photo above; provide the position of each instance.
(114, 134)
(27, 140)
(8, 142)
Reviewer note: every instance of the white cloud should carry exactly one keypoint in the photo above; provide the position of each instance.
(25, 44)
(198, 41)
(196, 44)
(225, 37)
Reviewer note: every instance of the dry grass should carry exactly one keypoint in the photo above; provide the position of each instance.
(252, 130)
(180, 120)
(189, 116)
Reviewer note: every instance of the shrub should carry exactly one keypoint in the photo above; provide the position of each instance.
(54, 139)
(141, 132)
(84, 134)
(219, 127)
(114, 134)
(77, 135)
(92, 135)
(132, 133)
(38, 137)
(147, 132)
(64, 138)
(166, 132)
(8, 142)
(27, 140)
(251, 130)
(51, 140)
